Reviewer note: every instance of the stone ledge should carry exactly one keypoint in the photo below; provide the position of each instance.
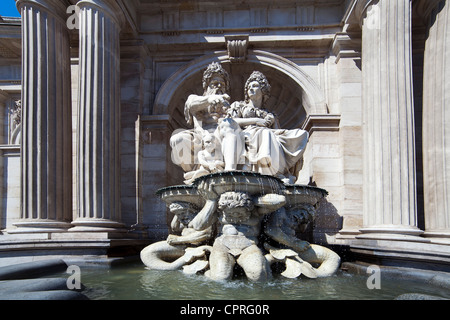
(434, 278)
(32, 269)
(417, 255)
(21, 282)
(6, 246)
(16, 248)
(321, 122)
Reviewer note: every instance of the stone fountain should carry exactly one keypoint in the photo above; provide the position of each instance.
(239, 206)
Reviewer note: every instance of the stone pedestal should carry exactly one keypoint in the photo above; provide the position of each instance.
(436, 125)
(389, 199)
(46, 153)
(98, 150)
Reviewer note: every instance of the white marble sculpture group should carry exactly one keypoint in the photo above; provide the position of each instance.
(239, 205)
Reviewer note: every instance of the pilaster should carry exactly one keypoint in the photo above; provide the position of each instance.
(389, 192)
(436, 124)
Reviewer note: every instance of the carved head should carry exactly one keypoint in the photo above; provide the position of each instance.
(264, 85)
(184, 211)
(236, 207)
(301, 215)
(209, 142)
(216, 79)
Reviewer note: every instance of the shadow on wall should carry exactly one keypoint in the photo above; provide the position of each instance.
(327, 223)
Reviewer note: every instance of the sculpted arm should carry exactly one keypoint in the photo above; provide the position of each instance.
(202, 160)
(206, 217)
(190, 237)
(280, 229)
(195, 104)
(175, 225)
(243, 122)
(269, 203)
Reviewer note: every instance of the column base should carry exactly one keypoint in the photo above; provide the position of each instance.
(438, 236)
(40, 226)
(347, 233)
(437, 233)
(392, 232)
(97, 225)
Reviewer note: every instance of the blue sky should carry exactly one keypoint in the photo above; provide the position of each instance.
(8, 8)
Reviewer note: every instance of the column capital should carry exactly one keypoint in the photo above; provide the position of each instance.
(360, 9)
(57, 7)
(109, 7)
(357, 11)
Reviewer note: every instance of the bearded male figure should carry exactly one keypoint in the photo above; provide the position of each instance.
(203, 113)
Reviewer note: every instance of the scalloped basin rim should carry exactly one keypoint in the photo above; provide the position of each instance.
(176, 187)
(235, 173)
(304, 186)
(193, 187)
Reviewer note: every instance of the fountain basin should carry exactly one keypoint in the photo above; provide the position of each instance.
(181, 193)
(251, 183)
(302, 194)
(242, 206)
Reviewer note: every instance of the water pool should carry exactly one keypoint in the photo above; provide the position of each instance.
(135, 282)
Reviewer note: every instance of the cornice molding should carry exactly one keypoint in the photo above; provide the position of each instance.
(322, 122)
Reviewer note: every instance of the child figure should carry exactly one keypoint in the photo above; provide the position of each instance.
(210, 159)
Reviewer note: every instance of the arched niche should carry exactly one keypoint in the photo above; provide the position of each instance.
(294, 95)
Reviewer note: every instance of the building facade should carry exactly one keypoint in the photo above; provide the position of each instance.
(91, 91)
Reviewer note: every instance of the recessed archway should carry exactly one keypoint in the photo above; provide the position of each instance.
(294, 95)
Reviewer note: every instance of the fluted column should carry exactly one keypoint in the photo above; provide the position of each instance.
(436, 124)
(46, 151)
(98, 131)
(389, 196)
